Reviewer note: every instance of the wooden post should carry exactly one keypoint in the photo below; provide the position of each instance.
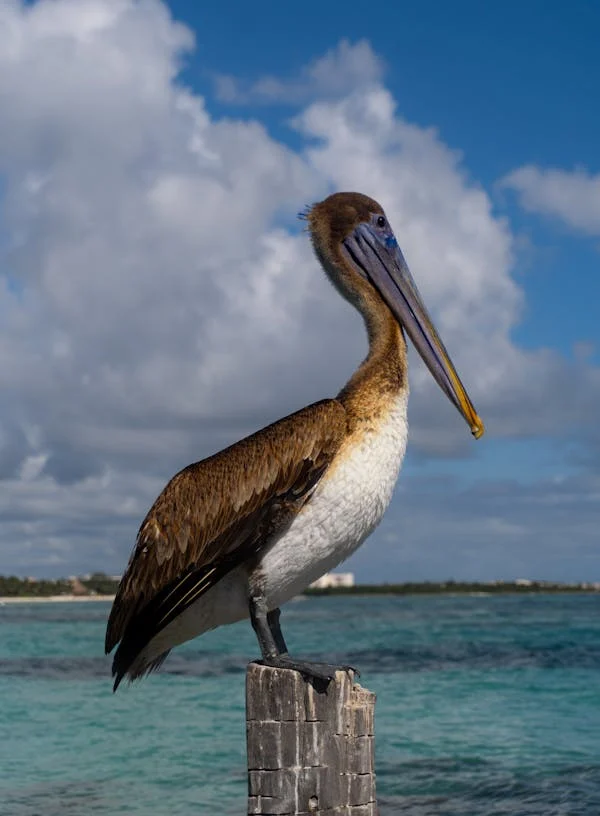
(309, 752)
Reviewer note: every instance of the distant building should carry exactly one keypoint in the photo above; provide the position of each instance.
(334, 579)
(77, 588)
(523, 582)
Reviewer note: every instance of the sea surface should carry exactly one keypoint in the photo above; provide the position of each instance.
(486, 705)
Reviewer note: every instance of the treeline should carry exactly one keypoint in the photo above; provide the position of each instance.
(11, 586)
(101, 584)
(445, 587)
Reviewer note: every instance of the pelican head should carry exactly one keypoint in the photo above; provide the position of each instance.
(356, 245)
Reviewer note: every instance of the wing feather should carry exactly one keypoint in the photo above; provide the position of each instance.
(215, 513)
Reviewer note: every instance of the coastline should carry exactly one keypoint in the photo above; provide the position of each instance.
(358, 591)
(14, 599)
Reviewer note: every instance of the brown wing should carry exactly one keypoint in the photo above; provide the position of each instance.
(215, 513)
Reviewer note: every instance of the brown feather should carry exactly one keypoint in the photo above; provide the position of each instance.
(224, 511)
(383, 373)
(240, 497)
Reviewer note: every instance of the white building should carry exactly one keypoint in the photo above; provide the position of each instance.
(334, 579)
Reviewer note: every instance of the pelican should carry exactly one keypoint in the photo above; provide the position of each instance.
(238, 534)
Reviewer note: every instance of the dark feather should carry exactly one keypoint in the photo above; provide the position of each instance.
(215, 515)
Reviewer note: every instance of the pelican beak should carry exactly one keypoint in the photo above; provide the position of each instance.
(377, 256)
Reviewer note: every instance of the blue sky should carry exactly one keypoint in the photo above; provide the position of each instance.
(506, 84)
(154, 157)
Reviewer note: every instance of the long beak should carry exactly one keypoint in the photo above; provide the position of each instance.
(381, 260)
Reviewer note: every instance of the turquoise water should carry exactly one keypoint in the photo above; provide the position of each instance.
(486, 705)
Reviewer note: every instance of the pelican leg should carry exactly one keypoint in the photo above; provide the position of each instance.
(273, 647)
(273, 621)
(260, 623)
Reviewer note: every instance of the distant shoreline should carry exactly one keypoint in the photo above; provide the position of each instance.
(429, 588)
(423, 589)
(15, 599)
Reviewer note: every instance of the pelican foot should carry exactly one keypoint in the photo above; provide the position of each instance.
(323, 672)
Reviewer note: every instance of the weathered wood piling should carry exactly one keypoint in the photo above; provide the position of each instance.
(309, 752)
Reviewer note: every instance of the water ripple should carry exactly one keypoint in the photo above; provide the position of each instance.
(185, 664)
(459, 786)
(471, 655)
(486, 707)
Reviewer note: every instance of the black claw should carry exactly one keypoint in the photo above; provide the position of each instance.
(274, 651)
(322, 672)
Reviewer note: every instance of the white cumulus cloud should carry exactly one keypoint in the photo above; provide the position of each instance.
(158, 298)
(341, 70)
(573, 197)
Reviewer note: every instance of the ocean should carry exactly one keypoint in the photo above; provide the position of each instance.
(486, 705)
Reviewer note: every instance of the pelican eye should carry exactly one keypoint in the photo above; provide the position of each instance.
(381, 222)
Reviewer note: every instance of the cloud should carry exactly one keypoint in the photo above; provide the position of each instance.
(488, 530)
(341, 70)
(462, 255)
(572, 197)
(158, 300)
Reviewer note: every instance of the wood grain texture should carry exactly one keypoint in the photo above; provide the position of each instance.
(308, 752)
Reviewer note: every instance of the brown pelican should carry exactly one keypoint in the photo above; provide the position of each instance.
(242, 532)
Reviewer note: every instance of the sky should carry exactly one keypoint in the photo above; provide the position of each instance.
(159, 298)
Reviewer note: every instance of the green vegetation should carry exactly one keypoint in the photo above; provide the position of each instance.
(13, 587)
(101, 584)
(447, 587)
(96, 584)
